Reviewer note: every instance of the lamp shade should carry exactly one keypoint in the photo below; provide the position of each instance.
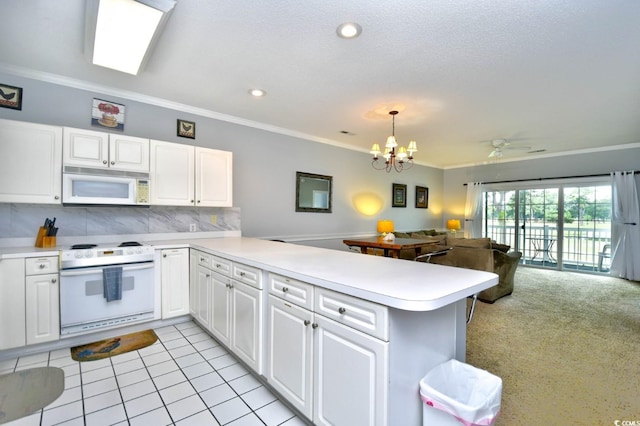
(453, 224)
(385, 225)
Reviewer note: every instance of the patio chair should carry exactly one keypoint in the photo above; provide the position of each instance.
(605, 253)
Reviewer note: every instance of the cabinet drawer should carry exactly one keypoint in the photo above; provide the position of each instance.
(41, 265)
(362, 315)
(248, 275)
(293, 291)
(203, 259)
(220, 265)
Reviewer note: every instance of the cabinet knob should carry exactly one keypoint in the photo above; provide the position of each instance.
(242, 274)
(342, 310)
(164, 255)
(208, 275)
(285, 289)
(42, 266)
(307, 322)
(314, 325)
(198, 201)
(191, 201)
(218, 265)
(57, 197)
(113, 162)
(54, 280)
(104, 162)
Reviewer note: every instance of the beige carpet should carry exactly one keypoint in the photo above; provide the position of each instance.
(27, 391)
(567, 347)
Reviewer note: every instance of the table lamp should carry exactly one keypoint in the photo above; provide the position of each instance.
(453, 225)
(385, 227)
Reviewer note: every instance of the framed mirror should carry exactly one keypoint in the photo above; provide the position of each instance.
(313, 193)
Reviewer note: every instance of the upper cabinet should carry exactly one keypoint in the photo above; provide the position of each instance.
(183, 175)
(30, 163)
(88, 148)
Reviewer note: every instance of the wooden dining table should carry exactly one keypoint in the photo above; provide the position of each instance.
(390, 248)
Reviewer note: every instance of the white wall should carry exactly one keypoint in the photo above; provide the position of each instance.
(265, 164)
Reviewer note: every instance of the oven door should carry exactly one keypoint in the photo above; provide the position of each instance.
(83, 306)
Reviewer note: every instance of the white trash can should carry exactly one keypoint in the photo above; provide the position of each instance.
(454, 392)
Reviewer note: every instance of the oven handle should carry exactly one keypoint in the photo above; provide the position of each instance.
(98, 270)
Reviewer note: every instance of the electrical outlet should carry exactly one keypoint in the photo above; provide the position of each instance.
(193, 227)
(214, 219)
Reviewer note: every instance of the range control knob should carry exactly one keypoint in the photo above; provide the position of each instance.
(88, 253)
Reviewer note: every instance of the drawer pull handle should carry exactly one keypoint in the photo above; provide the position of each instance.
(218, 265)
(285, 289)
(307, 322)
(314, 325)
(242, 274)
(342, 311)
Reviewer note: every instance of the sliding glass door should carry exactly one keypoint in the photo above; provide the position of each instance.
(561, 226)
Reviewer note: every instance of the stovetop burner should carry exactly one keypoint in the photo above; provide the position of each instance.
(82, 246)
(130, 244)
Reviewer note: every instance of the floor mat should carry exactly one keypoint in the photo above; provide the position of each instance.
(114, 346)
(27, 391)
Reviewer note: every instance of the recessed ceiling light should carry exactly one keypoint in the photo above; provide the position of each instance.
(258, 93)
(348, 30)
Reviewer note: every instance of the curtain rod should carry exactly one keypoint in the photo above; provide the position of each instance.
(550, 178)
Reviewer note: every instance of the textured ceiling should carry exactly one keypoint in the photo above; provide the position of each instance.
(559, 76)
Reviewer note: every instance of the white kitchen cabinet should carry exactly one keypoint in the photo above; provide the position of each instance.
(184, 175)
(30, 163)
(12, 303)
(89, 148)
(221, 308)
(289, 346)
(175, 282)
(42, 295)
(246, 322)
(172, 174)
(331, 372)
(200, 288)
(214, 178)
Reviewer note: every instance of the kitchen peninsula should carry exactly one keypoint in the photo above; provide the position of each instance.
(344, 337)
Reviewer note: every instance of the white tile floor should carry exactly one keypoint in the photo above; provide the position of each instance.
(185, 378)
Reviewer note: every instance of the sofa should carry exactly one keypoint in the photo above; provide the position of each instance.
(480, 254)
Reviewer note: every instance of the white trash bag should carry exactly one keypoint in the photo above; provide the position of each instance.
(468, 393)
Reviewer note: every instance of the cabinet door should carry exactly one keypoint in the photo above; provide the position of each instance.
(350, 376)
(172, 173)
(12, 303)
(175, 282)
(30, 163)
(214, 178)
(221, 308)
(246, 314)
(289, 353)
(85, 148)
(202, 296)
(128, 153)
(42, 308)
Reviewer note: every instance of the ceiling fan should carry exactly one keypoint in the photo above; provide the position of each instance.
(500, 145)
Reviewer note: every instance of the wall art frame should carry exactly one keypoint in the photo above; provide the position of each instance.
(10, 97)
(186, 129)
(398, 195)
(107, 114)
(422, 197)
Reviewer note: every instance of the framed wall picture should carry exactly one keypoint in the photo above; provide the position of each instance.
(422, 197)
(399, 195)
(186, 129)
(10, 97)
(107, 114)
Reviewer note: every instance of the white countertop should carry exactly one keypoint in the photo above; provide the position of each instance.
(401, 284)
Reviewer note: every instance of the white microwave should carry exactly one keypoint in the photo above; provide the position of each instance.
(81, 185)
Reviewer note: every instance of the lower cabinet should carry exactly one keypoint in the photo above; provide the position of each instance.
(331, 372)
(175, 282)
(200, 291)
(29, 301)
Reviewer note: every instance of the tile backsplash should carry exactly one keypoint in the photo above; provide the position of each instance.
(23, 220)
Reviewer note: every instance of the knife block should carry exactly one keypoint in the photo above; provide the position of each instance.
(42, 233)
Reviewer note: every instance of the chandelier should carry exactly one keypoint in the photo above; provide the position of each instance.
(399, 160)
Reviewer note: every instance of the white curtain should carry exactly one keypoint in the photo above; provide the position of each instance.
(625, 240)
(473, 210)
